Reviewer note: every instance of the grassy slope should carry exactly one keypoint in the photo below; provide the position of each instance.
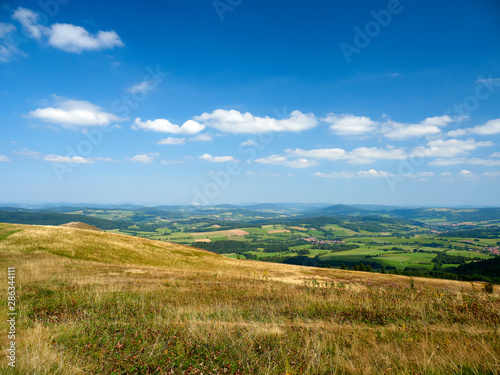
(102, 303)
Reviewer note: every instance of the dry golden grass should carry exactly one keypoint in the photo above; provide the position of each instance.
(97, 303)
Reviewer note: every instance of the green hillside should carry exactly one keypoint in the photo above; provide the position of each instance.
(92, 302)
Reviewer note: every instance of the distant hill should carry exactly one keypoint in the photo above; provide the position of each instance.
(35, 218)
(338, 210)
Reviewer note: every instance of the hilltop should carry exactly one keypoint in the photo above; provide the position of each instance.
(96, 302)
(80, 225)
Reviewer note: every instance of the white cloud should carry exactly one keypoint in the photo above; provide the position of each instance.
(170, 162)
(28, 152)
(74, 113)
(465, 173)
(248, 142)
(321, 153)
(372, 173)
(7, 48)
(361, 155)
(67, 159)
(491, 127)
(449, 148)
(142, 87)
(6, 28)
(30, 21)
(66, 37)
(456, 133)
(103, 159)
(76, 39)
(364, 155)
(446, 174)
(143, 158)
(301, 163)
(190, 127)
(171, 141)
(205, 137)
(495, 155)
(216, 159)
(233, 121)
(350, 124)
(429, 126)
(282, 160)
(471, 161)
(4, 158)
(419, 175)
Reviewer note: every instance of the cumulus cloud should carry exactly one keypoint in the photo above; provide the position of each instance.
(76, 39)
(495, 155)
(429, 126)
(283, 160)
(350, 124)
(364, 155)
(68, 159)
(4, 158)
(456, 133)
(143, 158)
(491, 127)
(372, 173)
(232, 121)
(171, 141)
(361, 155)
(190, 127)
(216, 159)
(64, 36)
(465, 173)
(320, 153)
(74, 113)
(449, 148)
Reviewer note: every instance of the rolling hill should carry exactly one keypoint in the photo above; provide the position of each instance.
(100, 303)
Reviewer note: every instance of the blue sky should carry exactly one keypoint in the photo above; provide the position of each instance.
(230, 101)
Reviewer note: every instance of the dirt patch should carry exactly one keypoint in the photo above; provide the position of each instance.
(203, 240)
(299, 228)
(278, 231)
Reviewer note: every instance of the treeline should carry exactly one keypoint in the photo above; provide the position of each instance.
(334, 247)
(226, 247)
(474, 233)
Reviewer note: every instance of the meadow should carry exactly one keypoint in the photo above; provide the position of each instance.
(100, 303)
